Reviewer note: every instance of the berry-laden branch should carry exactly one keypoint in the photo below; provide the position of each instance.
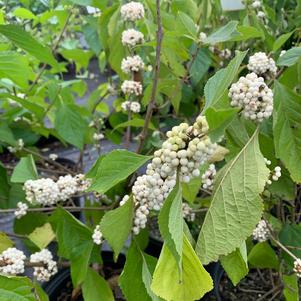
(151, 104)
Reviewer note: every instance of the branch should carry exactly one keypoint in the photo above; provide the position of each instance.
(151, 104)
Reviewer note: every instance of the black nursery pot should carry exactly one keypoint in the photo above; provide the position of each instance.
(59, 288)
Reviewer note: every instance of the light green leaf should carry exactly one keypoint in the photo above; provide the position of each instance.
(195, 280)
(290, 57)
(25, 41)
(6, 134)
(5, 242)
(281, 40)
(263, 256)
(291, 287)
(70, 125)
(286, 128)
(171, 223)
(236, 206)
(25, 170)
(23, 13)
(136, 122)
(95, 287)
(80, 57)
(247, 32)
(116, 225)
(236, 264)
(223, 34)
(191, 189)
(42, 236)
(188, 24)
(219, 83)
(115, 167)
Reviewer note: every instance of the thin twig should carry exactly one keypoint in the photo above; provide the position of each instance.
(151, 104)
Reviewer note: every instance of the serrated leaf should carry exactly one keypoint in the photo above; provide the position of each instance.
(195, 281)
(236, 206)
(5, 242)
(223, 34)
(290, 57)
(96, 287)
(42, 236)
(287, 130)
(171, 223)
(115, 167)
(24, 170)
(116, 225)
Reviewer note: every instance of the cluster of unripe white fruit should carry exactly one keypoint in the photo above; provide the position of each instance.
(132, 37)
(275, 175)
(208, 177)
(261, 232)
(133, 106)
(132, 11)
(132, 64)
(262, 65)
(131, 87)
(46, 191)
(19, 146)
(97, 235)
(253, 97)
(188, 213)
(12, 262)
(297, 267)
(21, 210)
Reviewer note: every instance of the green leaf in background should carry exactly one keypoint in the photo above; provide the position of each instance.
(281, 40)
(74, 241)
(24, 170)
(290, 57)
(5, 242)
(70, 125)
(81, 2)
(200, 66)
(25, 41)
(217, 85)
(171, 224)
(80, 57)
(15, 67)
(116, 225)
(247, 32)
(135, 122)
(286, 128)
(263, 256)
(223, 34)
(42, 236)
(115, 167)
(23, 13)
(6, 134)
(235, 200)
(291, 287)
(236, 264)
(191, 189)
(96, 287)
(188, 24)
(195, 281)
(4, 188)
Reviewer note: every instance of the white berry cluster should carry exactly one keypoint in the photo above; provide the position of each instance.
(132, 11)
(134, 106)
(276, 174)
(132, 37)
(124, 200)
(261, 64)
(12, 262)
(188, 213)
(225, 54)
(47, 192)
(98, 136)
(48, 266)
(19, 146)
(186, 148)
(97, 235)
(202, 37)
(261, 232)
(53, 157)
(253, 96)
(131, 87)
(132, 64)
(297, 267)
(21, 210)
(256, 4)
(208, 177)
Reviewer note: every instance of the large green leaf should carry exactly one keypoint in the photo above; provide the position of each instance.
(223, 34)
(6, 134)
(75, 243)
(116, 167)
(25, 41)
(188, 24)
(291, 287)
(116, 225)
(171, 223)
(290, 57)
(236, 206)
(42, 236)
(168, 284)
(281, 40)
(95, 287)
(200, 66)
(219, 83)
(70, 125)
(287, 131)
(5, 242)
(24, 170)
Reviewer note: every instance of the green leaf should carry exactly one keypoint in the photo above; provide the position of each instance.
(70, 125)
(236, 264)
(171, 223)
(191, 189)
(290, 57)
(75, 243)
(236, 206)
(281, 40)
(188, 24)
(195, 280)
(23, 13)
(263, 256)
(5, 242)
(223, 34)
(219, 83)
(291, 287)
(247, 32)
(116, 225)
(25, 170)
(25, 41)
(80, 57)
(115, 167)
(287, 130)
(81, 2)
(95, 287)
(42, 236)
(200, 66)
(6, 134)
(136, 122)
